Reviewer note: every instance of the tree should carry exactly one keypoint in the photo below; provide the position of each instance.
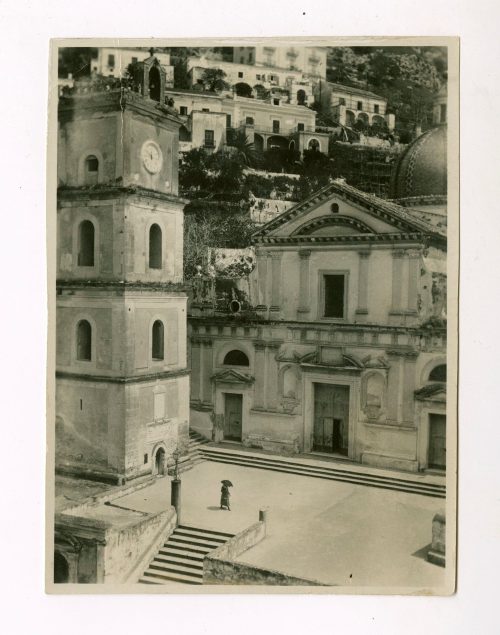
(181, 77)
(226, 175)
(75, 60)
(344, 66)
(281, 159)
(193, 170)
(244, 148)
(213, 80)
(213, 229)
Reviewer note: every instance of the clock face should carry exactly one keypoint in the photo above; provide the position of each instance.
(151, 157)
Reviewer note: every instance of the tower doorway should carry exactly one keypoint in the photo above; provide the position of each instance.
(331, 419)
(160, 462)
(233, 409)
(437, 441)
(61, 568)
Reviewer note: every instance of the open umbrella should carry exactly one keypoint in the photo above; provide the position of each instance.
(227, 483)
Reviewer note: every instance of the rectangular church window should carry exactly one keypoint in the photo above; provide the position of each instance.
(334, 295)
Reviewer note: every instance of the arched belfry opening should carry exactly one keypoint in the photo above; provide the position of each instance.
(154, 84)
(149, 78)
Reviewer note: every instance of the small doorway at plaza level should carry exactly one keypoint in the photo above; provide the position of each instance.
(233, 410)
(437, 442)
(331, 419)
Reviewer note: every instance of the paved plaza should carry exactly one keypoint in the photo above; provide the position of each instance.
(338, 533)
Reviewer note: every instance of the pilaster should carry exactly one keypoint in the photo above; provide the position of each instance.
(397, 280)
(304, 304)
(413, 272)
(262, 278)
(362, 308)
(206, 347)
(195, 368)
(272, 375)
(275, 281)
(259, 400)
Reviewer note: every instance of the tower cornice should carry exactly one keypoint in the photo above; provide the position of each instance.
(83, 103)
(86, 192)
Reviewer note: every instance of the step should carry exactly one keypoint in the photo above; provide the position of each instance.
(179, 560)
(325, 467)
(206, 531)
(175, 577)
(200, 551)
(423, 488)
(181, 553)
(175, 568)
(315, 468)
(334, 475)
(190, 534)
(193, 542)
(143, 580)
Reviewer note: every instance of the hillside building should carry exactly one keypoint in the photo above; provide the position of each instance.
(246, 80)
(208, 118)
(348, 105)
(310, 60)
(114, 61)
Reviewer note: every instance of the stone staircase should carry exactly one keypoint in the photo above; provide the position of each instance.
(193, 455)
(358, 474)
(180, 559)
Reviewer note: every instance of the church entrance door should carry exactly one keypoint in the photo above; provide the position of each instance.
(233, 409)
(437, 441)
(61, 568)
(331, 419)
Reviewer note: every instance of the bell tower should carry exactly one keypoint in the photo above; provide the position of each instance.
(122, 383)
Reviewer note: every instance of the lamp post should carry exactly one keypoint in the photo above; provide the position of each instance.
(175, 492)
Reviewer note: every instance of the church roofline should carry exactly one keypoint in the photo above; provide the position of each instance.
(375, 206)
(413, 237)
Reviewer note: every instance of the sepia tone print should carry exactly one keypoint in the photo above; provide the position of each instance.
(253, 309)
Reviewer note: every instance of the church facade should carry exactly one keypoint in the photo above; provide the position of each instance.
(341, 350)
(122, 380)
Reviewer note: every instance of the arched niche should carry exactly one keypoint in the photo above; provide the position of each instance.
(289, 381)
(374, 394)
(90, 167)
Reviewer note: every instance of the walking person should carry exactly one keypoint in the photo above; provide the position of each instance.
(225, 495)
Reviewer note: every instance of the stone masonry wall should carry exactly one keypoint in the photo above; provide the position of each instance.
(220, 566)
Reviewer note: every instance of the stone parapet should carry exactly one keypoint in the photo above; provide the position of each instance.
(221, 567)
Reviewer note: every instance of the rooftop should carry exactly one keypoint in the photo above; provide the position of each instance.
(354, 91)
(188, 91)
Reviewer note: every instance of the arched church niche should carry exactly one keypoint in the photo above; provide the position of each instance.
(374, 395)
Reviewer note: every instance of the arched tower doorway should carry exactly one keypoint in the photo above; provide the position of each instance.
(160, 462)
(61, 568)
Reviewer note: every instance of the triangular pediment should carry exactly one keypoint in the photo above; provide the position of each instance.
(339, 211)
(432, 392)
(230, 376)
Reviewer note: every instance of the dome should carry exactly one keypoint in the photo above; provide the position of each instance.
(421, 169)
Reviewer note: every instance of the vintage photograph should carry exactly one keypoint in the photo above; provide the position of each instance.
(254, 316)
